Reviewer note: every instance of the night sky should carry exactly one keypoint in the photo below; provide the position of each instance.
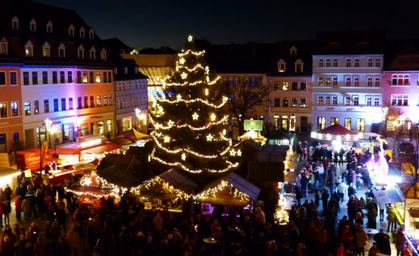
(156, 23)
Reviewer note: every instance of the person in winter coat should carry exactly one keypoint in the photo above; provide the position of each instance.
(372, 217)
(361, 239)
(260, 217)
(18, 207)
(342, 190)
(26, 208)
(6, 211)
(391, 216)
(374, 250)
(400, 242)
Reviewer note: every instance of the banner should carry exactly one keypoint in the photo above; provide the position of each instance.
(253, 125)
(4, 160)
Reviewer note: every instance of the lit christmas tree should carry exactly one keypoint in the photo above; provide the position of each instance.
(191, 118)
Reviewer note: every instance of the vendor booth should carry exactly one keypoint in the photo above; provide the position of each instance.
(281, 138)
(338, 136)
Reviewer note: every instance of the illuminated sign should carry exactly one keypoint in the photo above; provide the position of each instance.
(253, 125)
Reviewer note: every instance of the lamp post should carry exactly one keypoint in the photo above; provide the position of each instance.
(52, 130)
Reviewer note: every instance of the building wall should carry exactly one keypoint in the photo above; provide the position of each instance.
(97, 117)
(131, 94)
(289, 116)
(357, 89)
(11, 128)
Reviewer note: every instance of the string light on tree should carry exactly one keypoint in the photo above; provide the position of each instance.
(182, 61)
(166, 139)
(183, 156)
(213, 117)
(184, 75)
(239, 152)
(210, 137)
(232, 152)
(190, 38)
(206, 91)
(195, 116)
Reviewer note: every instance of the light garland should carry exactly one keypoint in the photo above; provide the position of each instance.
(184, 75)
(213, 117)
(158, 126)
(195, 116)
(206, 102)
(210, 137)
(186, 83)
(201, 53)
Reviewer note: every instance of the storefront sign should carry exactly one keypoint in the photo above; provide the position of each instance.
(253, 125)
(4, 160)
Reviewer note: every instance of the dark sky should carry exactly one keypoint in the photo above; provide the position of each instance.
(154, 23)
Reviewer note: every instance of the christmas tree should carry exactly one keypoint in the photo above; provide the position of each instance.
(190, 119)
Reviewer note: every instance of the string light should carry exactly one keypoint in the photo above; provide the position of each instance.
(210, 137)
(183, 156)
(166, 139)
(158, 126)
(206, 92)
(206, 102)
(239, 152)
(184, 75)
(182, 61)
(213, 117)
(186, 83)
(195, 116)
(224, 132)
(232, 152)
(190, 38)
(201, 53)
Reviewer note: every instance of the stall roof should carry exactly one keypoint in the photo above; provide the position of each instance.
(135, 135)
(122, 170)
(336, 129)
(123, 141)
(105, 147)
(94, 190)
(8, 171)
(179, 181)
(389, 196)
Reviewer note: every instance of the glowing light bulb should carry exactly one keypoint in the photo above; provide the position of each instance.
(232, 152)
(166, 139)
(239, 152)
(184, 75)
(195, 116)
(207, 70)
(170, 123)
(208, 79)
(190, 38)
(213, 116)
(183, 156)
(210, 137)
(206, 92)
(182, 61)
(179, 97)
(224, 132)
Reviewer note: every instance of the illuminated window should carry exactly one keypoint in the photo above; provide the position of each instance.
(360, 125)
(15, 108)
(334, 81)
(368, 100)
(377, 101)
(285, 86)
(321, 123)
(49, 27)
(347, 81)
(292, 123)
(35, 107)
(303, 102)
(85, 79)
(348, 123)
(369, 81)
(281, 66)
(369, 62)
(347, 100)
(334, 120)
(294, 102)
(285, 102)
(335, 100)
(321, 63)
(98, 101)
(97, 77)
(27, 108)
(327, 81)
(400, 100)
(320, 100)
(321, 83)
(303, 86)
(29, 49)
(105, 100)
(355, 100)
(32, 25)
(327, 100)
(402, 79)
(356, 81)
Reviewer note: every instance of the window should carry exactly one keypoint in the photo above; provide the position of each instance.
(369, 81)
(294, 102)
(277, 85)
(63, 104)
(92, 101)
(334, 100)
(356, 62)
(86, 102)
(70, 103)
(35, 78)
(80, 52)
(97, 79)
(13, 78)
(16, 138)
(321, 123)
(82, 32)
(46, 106)
(277, 102)
(294, 86)
(281, 66)
(348, 100)
(56, 105)
(321, 63)
(377, 101)
(355, 100)
(327, 81)
(334, 81)
(103, 54)
(285, 86)
(15, 108)
(303, 86)
(71, 31)
(3, 46)
(49, 27)
(400, 79)
(293, 51)
(303, 102)
(45, 77)
(378, 62)
(110, 100)
(25, 78)
(327, 100)
(105, 77)
(400, 100)
(29, 49)
(335, 62)
(2, 78)
(348, 123)
(327, 62)
(46, 50)
(3, 109)
(61, 51)
(85, 77)
(368, 100)
(348, 62)
(299, 66)
(360, 125)
(285, 102)
(92, 53)
(347, 81)
(35, 107)
(91, 77)
(98, 101)
(79, 77)
(27, 108)
(91, 34)
(377, 82)
(15, 23)
(54, 77)
(321, 83)
(334, 120)
(62, 77)
(320, 100)
(125, 70)
(356, 81)
(69, 77)
(369, 62)
(109, 77)
(79, 103)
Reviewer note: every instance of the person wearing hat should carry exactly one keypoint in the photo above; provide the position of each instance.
(400, 242)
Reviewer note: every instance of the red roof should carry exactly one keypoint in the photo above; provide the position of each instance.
(336, 129)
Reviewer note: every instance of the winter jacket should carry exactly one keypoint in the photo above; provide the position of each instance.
(361, 239)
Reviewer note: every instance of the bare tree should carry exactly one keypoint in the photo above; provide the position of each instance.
(247, 98)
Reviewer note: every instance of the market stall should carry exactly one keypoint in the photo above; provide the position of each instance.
(338, 135)
(137, 137)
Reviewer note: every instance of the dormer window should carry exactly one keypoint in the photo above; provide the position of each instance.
(3, 46)
(46, 50)
(293, 51)
(92, 53)
(29, 49)
(82, 32)
(71, 30)
(299, 66)
(80, 52)
(281, 66)
(61, 51)
(49, 27)
(15, 23)
(32, 25)
(91, 34)
(103, 54)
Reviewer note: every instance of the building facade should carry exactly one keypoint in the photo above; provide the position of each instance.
(346, 80)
